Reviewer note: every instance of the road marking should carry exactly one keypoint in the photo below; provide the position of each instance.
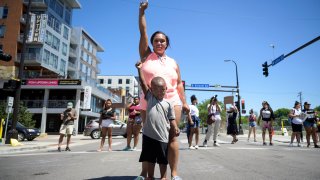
(185, 141)
(247, 148)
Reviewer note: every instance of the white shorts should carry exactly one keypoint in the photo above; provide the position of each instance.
(66, 129)
(106, 123)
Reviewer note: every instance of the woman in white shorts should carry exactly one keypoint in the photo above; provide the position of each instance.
(107, 117)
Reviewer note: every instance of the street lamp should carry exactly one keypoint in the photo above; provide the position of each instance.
(238, 104)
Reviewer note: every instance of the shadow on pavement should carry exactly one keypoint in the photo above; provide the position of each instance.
(114, 178)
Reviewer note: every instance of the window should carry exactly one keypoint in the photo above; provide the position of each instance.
(59, 9)
(64, 49)
(3, 12)
(53, 61)
(56, 43)
(101, 81)
(65, 32)
(2, 30)
(46, 57)
(67, 15)
(109, 81)
(127, 81)
(63, 65)
(48, 38)
(119, 81)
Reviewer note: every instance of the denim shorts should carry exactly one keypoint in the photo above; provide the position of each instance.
(252, 124)
(196, 122)
(308, 124)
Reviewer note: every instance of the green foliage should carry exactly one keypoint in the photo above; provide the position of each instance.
(24, 117)
(282, 114)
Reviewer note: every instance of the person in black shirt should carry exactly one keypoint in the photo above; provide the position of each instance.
(310, 124)
(267, 116)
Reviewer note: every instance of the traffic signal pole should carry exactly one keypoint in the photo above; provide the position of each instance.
(16, 103)
(282, 57)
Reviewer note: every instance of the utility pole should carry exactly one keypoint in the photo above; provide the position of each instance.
(300, 97)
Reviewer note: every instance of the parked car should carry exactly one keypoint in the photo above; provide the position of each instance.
(92, 129)
(24, 132)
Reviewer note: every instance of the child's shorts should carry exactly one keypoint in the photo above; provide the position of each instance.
(154, 151)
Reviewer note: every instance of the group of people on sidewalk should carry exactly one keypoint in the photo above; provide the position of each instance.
(299, 118)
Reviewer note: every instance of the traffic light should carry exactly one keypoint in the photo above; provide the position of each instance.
(184, 85)
(265, 69)
(5, 57)
(242, 104)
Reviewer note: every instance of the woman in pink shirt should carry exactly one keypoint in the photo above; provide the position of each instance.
(157, 63)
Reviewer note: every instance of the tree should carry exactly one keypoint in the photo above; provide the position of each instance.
(24, 117)
(282, 114)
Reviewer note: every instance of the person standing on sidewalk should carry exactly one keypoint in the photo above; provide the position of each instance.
(157, 63)
(195, 122)
(68, 117)
(134, 124)
(106, 121)
(252, 125)
(232, 128)
(296, 123)
(214, 111)
(267, 116)
(310, 124)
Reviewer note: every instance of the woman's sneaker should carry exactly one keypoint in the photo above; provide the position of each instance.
(128, 148)
(290, 145)
(216, 144)
(196, 146)
(191, 147)
(176, 178)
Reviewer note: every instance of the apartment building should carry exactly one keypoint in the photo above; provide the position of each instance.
(60, 62)
(120, 82)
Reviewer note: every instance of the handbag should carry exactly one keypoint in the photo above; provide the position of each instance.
(211, 119)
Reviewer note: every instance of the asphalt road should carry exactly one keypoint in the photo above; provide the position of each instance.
(243, 160)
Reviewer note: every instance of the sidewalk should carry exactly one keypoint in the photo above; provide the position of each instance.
(49, 142)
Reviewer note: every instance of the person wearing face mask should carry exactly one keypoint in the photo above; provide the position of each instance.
(155, 62)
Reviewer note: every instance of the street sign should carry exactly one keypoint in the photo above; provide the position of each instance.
(10, 101)
(200, 85)
(276, 61)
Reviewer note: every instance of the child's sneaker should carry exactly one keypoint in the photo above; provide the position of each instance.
(139, 178)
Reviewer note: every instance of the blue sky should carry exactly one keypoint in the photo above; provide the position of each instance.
(204, 33)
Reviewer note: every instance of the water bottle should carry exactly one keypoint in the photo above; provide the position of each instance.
(143, 1)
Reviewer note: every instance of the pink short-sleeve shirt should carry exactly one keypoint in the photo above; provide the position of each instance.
(164, 67)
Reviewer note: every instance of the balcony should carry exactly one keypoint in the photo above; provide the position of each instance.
(72, 65)
(98, 60)
(38, 4)
(72, 53)
(30, 58)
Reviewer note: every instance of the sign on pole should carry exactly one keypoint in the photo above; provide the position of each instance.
(87, 97)
(200, 85)
(276, 61)
(10, 101)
